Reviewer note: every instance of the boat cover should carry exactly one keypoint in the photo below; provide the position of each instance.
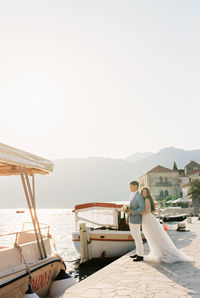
(97, 204)
(11, 159)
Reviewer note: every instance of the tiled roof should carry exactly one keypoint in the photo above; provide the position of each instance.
(160, 169)
(192, 162)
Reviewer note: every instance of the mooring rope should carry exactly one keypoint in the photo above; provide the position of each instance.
(24, 260)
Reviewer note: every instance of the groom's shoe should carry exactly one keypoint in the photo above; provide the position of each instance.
(134, 256)
(138, 259)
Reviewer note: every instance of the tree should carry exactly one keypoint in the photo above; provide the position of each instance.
(194, 190)
(194, 194)
(175, 168)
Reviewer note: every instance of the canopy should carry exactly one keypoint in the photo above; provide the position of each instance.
(170, 201)
(97, 204)
(11, 159)
(180, 200)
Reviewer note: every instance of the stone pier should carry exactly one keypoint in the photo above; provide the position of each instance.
(125, 278)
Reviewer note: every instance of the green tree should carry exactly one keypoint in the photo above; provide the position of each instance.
(194, 190)
(175, 168)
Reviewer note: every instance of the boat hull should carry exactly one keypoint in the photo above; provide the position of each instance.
(15, 285)
(174, 218)
(108, 244)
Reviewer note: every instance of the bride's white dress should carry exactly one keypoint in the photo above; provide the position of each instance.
(162, 249)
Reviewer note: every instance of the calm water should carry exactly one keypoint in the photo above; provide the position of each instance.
(61, 222)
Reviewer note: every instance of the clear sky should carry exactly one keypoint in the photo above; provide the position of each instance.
(99, 78)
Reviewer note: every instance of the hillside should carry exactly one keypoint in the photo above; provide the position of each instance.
(93, 179)
(138, 156)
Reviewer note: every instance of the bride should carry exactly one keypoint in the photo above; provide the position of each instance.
(162, 249)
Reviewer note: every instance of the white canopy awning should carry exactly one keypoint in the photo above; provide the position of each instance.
(11, 159)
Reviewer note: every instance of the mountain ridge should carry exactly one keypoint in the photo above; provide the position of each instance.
(81, 180)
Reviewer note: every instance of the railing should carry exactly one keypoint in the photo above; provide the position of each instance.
(17, 234)
(164, 183)
(46, 226)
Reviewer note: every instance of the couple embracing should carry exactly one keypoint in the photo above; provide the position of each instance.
(161, 246)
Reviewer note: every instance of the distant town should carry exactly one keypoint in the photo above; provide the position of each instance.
(171, 186)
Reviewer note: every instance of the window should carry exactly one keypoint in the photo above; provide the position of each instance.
(166, 193)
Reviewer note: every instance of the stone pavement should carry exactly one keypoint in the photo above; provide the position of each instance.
(125, 278)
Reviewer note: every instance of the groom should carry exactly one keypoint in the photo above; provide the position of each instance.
(137, 205)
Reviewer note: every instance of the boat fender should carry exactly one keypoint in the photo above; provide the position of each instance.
(62, 282)
(165, 226)
(30, 293)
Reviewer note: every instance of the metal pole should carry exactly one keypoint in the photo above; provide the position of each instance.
(33, 188)
(31, 213)
(35, 213)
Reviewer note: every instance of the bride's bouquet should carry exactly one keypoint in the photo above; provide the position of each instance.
(126, 208)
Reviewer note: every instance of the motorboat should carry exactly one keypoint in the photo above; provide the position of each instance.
(101, 231)
(31, 264)
(172, 218)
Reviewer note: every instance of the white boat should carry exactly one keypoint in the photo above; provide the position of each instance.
(30, 263)
(101, 231)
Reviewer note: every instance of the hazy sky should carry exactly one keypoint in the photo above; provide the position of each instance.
(99, 78)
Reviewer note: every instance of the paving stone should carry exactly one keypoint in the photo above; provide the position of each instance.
(93, 293)
(125, 278)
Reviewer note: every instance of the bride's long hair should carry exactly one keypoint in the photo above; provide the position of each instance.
(149, 196)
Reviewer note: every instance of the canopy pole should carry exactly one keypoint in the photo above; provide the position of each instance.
(34, 210)
(30, 210)
(33, 188)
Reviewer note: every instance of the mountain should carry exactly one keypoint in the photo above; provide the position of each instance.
(166, 158)
(76, 181)
(138, 156)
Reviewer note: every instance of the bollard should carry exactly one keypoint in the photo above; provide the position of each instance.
(83, 242)
(189, 220)
(181, 227)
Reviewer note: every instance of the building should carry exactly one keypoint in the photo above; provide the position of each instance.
(162, 182)
(195, 174)
(191, 167)
(185, 189)
(183, 179)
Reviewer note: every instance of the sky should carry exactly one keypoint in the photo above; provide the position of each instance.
(108, 78)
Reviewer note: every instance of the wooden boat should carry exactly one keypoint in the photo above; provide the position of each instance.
(106, 234)
(31, 261)
(20, 210)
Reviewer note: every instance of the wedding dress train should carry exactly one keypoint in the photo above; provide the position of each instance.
(162, 249)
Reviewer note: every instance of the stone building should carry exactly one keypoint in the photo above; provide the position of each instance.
(162, 182)
(191, 167)
(183, 179)
(194, 175)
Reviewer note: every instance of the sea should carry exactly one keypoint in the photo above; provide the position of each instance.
(62, 224)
